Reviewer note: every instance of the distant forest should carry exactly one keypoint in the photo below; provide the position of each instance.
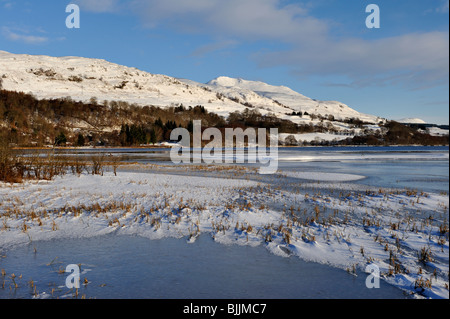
(28, 122)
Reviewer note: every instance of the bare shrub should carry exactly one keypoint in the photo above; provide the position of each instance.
(98, 162)
(12, 169)
(77, 167)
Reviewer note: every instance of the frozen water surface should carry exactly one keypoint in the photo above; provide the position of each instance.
(134, 267)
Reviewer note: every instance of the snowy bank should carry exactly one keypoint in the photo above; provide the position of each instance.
(404, 233)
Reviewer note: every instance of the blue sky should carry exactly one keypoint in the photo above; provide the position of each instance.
(320, 48)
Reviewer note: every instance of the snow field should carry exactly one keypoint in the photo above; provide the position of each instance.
(403, 232)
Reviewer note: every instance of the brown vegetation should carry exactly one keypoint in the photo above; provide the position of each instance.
(16, 166)
(29, 122)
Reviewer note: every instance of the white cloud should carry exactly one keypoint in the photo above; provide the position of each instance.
(7, 4)
(25, 38)
(444, 8)
(417, 59)
(250, 19)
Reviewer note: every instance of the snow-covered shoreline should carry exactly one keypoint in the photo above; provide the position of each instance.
(338, 223)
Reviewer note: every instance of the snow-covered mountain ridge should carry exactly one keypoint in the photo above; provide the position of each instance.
(85, 78)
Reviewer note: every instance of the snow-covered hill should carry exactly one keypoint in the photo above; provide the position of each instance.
(84, 78)
(269, 96)
(412, 121)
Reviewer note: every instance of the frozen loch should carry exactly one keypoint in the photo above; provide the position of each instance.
(163, 231)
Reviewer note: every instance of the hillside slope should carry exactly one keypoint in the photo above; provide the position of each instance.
(83, 79)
